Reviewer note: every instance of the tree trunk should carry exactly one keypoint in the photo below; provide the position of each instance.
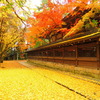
(1, 62)
(1, 59)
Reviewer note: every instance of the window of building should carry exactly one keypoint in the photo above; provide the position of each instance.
(70, 51)
(58, 52)
(50, 53)
(87, 51)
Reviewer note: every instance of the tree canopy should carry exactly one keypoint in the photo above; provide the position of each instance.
(50, 17)
(12, 25)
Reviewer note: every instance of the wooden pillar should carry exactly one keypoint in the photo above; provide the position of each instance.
(64, 54)
(63, 51)
(98, 55)
(76, 56)
(53, 55)
(41, 55)
(47, 54)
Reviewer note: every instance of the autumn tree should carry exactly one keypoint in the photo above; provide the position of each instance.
(12, 25)
(10, 32)
(50, 15)
(45, 20)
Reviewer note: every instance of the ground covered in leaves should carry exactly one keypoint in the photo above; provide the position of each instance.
(18, 82)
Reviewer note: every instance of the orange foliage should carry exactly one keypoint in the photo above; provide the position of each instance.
(43, 22)
(51, 17)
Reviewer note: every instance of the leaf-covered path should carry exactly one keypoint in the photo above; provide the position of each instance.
(27, 82)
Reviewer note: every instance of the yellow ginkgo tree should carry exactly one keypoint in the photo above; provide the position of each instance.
(12, 26)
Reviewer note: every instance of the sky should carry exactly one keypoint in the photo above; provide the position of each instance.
(33, 3)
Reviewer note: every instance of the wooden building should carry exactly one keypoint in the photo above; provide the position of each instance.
(82, 51)
(79, 49)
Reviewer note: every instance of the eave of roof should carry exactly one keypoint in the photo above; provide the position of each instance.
(89, 36)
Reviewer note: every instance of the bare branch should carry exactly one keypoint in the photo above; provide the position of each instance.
(16, 14)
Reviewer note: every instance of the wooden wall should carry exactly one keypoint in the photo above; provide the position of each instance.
(85, 54)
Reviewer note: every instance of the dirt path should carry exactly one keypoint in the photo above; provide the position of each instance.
(18, 82)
